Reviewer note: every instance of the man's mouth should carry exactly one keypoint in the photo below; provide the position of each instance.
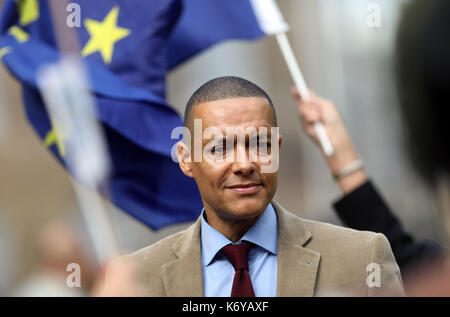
(247, 188)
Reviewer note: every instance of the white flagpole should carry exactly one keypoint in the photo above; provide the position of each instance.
(299, 81)
(64, 87)
(70, 106)
(272, 22)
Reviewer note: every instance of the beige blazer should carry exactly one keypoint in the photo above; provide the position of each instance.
(314, 259)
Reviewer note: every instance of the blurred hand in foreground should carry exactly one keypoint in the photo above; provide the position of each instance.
(118, 279)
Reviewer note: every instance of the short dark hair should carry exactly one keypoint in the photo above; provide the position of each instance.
(226, 87)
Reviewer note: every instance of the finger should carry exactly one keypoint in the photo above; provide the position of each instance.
(295, 93)
(320, 102)
(311, 131)
(309, 104)
(310, 114)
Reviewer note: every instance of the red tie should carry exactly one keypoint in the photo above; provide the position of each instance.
(237, 254)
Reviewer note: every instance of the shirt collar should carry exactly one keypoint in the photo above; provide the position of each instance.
(263, 233)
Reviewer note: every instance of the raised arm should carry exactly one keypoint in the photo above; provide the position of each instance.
(361, 207)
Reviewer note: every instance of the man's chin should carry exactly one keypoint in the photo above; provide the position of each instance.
(246, 209)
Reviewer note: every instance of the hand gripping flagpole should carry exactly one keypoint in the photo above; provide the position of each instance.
(297, 76)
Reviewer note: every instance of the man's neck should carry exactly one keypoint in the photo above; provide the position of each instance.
(233, 229)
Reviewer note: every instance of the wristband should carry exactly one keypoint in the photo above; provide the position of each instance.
(348, 169)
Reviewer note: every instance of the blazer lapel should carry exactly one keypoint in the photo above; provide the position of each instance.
(297, 265)
(183, 277)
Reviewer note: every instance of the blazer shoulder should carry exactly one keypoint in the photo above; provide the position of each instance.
(167, 249)
(353, 255)
(149, 262)
(334, 234)
(153, 257)
(160, 251)
(320, 235)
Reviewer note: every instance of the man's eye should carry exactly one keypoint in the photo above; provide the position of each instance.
(264, 148)
(264, 144)
(218, 149)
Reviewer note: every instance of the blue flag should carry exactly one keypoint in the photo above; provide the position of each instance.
(127, 48)
(124, 49)
(204, 23)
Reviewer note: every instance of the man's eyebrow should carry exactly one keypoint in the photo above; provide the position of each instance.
(214, 139)
(259, 134)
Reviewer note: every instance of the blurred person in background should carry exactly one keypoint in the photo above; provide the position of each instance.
(423, 78)
(57, 246)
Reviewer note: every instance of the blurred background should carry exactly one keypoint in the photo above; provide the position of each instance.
(342, 58)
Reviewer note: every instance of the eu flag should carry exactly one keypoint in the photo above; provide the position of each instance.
(127, 47)
(204, 23)
(124, 49)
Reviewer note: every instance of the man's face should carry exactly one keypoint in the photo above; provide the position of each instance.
(234, 189)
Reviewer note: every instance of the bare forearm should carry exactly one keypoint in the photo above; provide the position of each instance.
(342, 157)
(345, 155)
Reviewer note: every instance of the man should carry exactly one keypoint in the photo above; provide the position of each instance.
(244, 243)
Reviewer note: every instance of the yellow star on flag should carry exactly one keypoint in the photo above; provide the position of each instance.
(20, 35)
(56, 136)
(28, 11)
(4, 50)
(104, 35)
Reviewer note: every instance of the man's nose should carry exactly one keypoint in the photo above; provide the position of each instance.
(243, 168)
(243, 165)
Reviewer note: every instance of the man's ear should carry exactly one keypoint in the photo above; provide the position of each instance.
(280, 139)
(184, 158)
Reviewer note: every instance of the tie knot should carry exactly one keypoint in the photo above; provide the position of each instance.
(237, 254)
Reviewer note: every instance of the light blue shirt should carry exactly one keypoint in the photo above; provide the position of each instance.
(218, 272)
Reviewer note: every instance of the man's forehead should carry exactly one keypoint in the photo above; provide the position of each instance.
(245, 111)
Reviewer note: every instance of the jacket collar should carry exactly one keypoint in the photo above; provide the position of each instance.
(183, 277)
(297, 265)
